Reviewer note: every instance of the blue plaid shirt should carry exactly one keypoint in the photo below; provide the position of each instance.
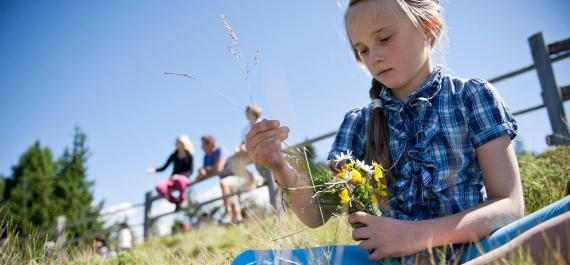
(433, 138)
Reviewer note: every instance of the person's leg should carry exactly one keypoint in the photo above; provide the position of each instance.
(238, 163)
(236, 211)
(234, 184)
(163, 189)
(227, 201)
(180, 182)
(546, 243)
(514, 229)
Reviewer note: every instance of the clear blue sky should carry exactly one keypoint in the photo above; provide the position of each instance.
(99, 64)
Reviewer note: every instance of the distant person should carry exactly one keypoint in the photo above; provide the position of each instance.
(214, 164)
(125, 240)
(183, 160)
(239, 161)
(100, 245)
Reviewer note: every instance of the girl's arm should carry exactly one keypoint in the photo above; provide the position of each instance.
(505, 204)
(170, 159)
(263, 145)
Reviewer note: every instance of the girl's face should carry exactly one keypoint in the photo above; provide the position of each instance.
(393, 50)
(179, 146)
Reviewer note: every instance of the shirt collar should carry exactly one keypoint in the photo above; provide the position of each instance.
(425, 92)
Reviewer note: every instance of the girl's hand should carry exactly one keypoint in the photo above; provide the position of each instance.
(151, 170)
(385, 237)
(263, 144)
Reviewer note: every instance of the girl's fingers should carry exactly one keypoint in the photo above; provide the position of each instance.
(283, 133)
(360, 234)
(376, 254)
(366, 244)
(265, 150)
(280, 133)
(359, 217)
(262, 126)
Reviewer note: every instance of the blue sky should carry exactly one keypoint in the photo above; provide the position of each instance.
(99, 65)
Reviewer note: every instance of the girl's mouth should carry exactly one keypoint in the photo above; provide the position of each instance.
(383, 72)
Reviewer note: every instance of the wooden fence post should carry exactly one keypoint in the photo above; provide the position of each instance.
(273, 190)
(60, 229)
(551, 94)
(147, 222)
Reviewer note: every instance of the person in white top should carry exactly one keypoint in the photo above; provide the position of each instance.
(125, 239)
(242, 179)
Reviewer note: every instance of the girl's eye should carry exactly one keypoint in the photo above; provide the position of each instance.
(385, 39)
(362, 51)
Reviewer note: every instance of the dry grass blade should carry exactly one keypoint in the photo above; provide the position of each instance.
(233, 102)
(257, 57)
(234, 53)
(230, 30)
(180, 74)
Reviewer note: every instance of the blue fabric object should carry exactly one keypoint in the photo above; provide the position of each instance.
(512, 230)
(352, 254)
(211, 159)
(342, 254)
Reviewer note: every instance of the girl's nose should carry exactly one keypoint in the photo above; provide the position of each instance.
(376, 56)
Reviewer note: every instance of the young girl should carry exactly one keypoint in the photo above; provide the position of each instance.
(444, 141)
(183, 160)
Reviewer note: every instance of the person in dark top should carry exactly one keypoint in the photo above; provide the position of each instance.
(183, 160)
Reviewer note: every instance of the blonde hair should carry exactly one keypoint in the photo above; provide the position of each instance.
(186, 142)
(426, 16)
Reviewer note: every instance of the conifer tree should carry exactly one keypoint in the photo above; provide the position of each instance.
(72, 189)
(28, 196)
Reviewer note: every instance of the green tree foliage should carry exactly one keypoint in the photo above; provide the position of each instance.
(72, 192)
(40, 189)
(2, 188)
(28, 196)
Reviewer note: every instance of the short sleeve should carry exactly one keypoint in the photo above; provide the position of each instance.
(219, 154)
(487, 116)
(351, 135)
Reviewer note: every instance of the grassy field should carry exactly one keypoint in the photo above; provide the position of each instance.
(545, 179)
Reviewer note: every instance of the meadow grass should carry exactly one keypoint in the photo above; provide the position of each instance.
(545, 179)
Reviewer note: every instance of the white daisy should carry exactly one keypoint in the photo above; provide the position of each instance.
(363, 166)
(342, 157)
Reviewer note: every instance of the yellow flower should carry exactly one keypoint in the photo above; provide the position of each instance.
(344, 197)
(378, 174)
(374, 199)
(349, 165)
(357, 177)
(343, 173)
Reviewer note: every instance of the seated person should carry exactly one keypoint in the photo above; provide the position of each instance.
(183, 160)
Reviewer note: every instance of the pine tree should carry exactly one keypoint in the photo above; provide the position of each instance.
(28, 193)
(72, 188)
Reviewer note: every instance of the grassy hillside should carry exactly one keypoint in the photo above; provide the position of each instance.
(545, 179)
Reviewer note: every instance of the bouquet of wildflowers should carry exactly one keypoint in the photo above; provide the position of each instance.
(351, 184)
